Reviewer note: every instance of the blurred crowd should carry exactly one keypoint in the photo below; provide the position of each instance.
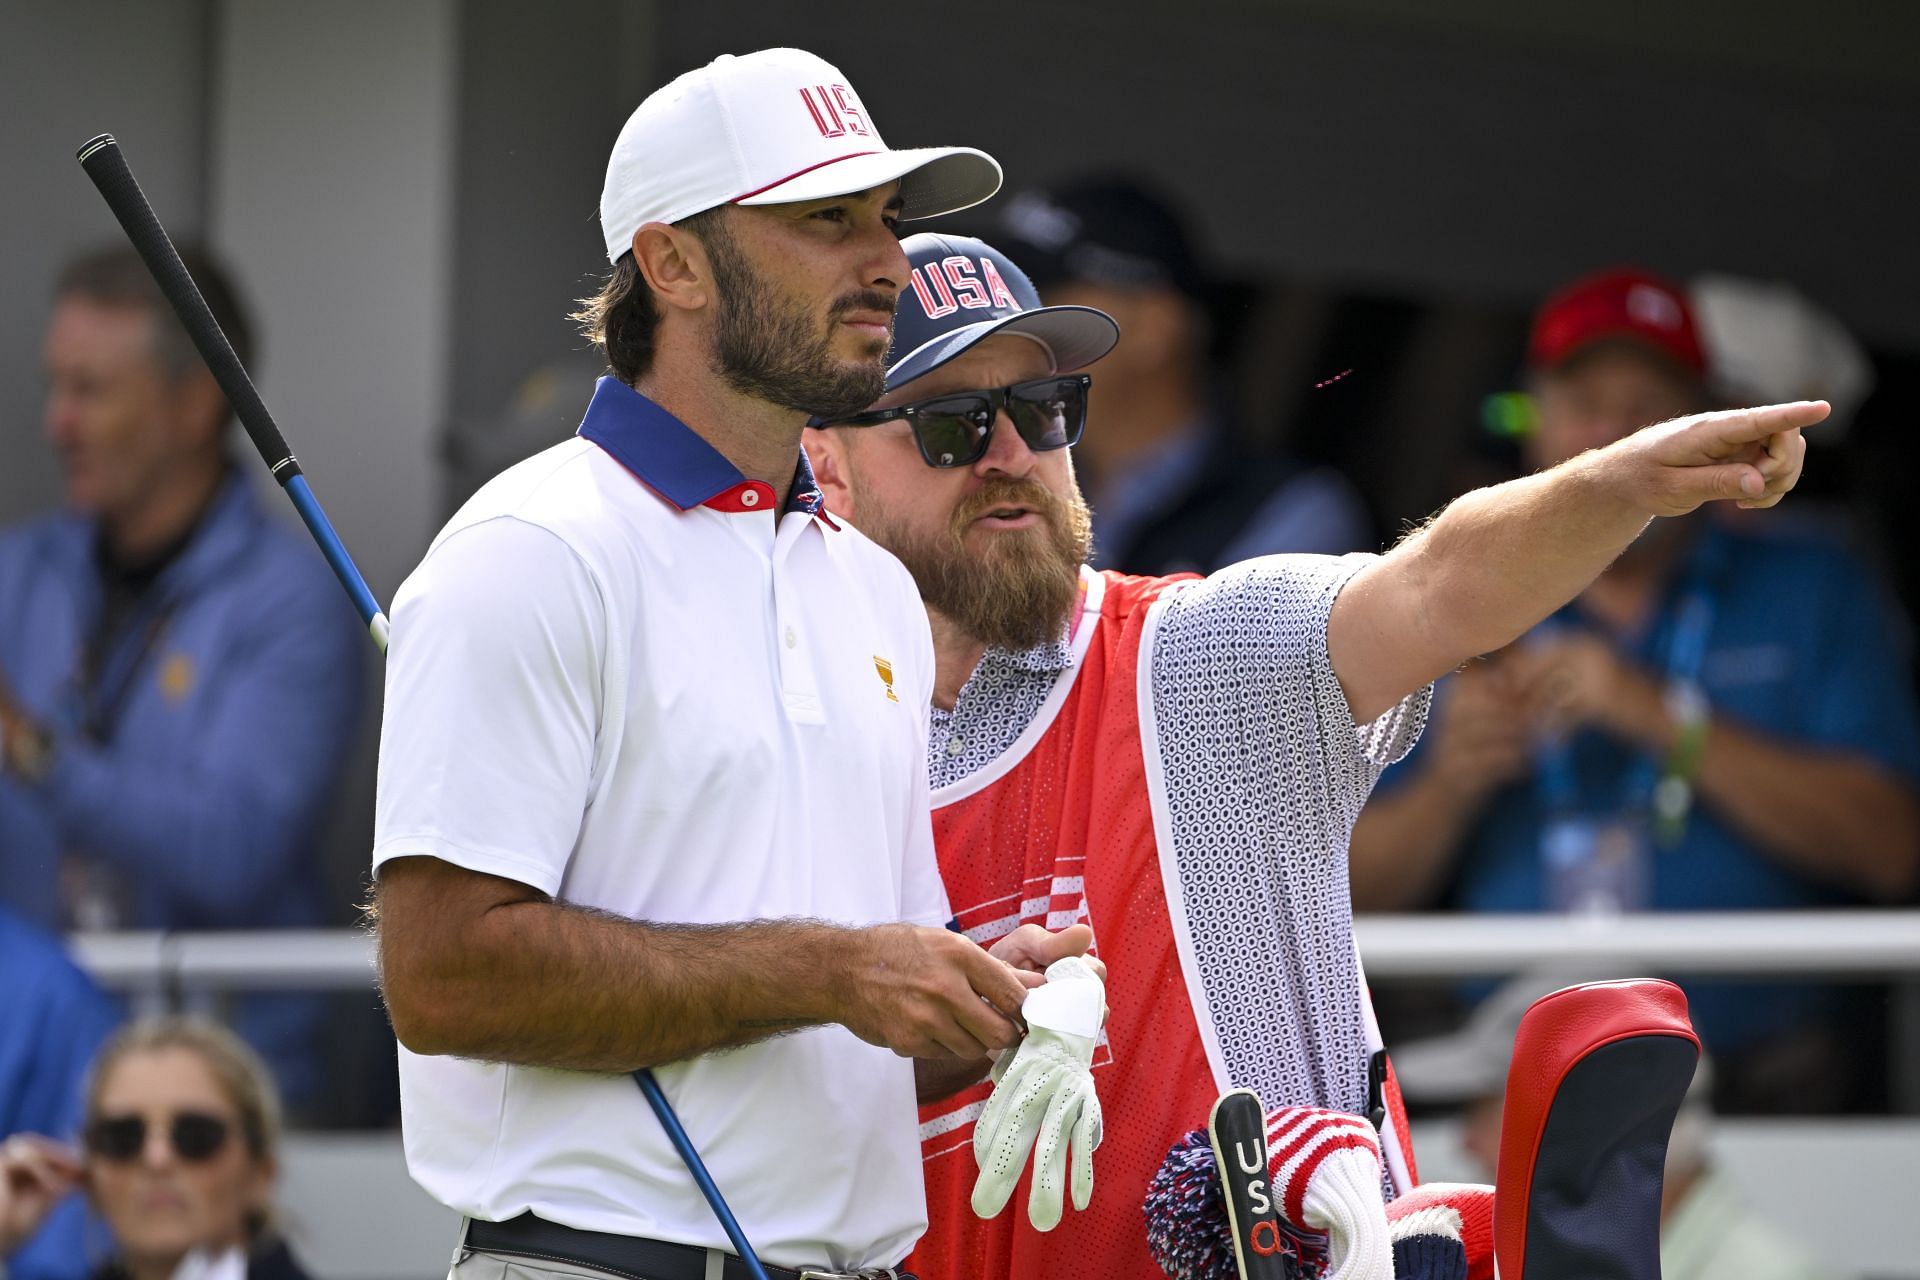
(1724, 721)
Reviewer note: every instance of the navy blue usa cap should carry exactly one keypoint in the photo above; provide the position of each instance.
(963, 290)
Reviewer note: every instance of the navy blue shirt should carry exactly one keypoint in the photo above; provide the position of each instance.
(1801, 647)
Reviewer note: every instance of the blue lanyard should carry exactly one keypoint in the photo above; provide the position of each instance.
(1683, 657)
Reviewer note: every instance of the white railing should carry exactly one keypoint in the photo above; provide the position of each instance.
(1862, 943)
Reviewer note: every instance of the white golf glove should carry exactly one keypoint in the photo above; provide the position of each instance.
(1043, 1099)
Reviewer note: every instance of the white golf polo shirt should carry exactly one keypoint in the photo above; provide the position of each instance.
(621, 677)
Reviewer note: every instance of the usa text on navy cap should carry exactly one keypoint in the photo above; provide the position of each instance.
(962, 290)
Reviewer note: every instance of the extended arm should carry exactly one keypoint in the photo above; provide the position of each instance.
(1500, 559)
(478, 966)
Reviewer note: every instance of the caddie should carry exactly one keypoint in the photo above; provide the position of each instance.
(1178, 761)
(652, 780)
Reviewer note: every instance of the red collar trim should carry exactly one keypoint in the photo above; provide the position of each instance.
(743, 498)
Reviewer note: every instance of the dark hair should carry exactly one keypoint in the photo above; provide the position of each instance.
(117, 277)
(621, 319)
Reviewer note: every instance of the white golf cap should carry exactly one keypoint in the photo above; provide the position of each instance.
(772, 127)
(1768, 343)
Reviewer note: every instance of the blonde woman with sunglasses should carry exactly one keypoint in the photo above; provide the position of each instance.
(179, 1157)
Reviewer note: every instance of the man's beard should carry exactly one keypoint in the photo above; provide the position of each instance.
(1021, 587)
(774, 350)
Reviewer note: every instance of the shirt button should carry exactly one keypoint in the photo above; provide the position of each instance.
(955, 746)
(793, 641)
(750, 499)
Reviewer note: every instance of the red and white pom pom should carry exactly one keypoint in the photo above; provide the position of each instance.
(1325, 1172)
(1459, 1210)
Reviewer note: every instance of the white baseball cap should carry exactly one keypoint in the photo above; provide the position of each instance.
(1768, 343)
(772, 127)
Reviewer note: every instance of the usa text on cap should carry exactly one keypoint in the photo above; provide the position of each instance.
(962, 290)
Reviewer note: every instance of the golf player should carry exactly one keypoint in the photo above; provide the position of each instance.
(1179, 761)
(652, 782)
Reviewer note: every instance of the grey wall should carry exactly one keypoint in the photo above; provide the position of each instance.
(332, 195)
(68, 70)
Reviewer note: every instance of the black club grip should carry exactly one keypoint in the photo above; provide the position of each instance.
(104, 163)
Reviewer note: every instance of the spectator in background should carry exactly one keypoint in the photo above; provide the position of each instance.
(1722, 721)
(178, 679)
(1707, 1232)
(1764, 338)
(1171, 482)
(181, 1152)
(52, 1022)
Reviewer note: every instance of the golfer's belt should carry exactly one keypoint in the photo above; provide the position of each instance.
(632, 1257)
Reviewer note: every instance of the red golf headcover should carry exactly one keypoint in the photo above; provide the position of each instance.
(1460, 1209)
(1597, 1076)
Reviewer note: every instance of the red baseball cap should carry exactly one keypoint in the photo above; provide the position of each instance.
(1624, 302)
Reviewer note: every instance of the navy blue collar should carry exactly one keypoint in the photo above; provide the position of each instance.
(671, 458)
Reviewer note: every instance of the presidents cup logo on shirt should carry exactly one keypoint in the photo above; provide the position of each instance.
(885, 669)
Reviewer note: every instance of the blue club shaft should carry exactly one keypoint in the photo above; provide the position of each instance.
(336, 553)
(698, 1168)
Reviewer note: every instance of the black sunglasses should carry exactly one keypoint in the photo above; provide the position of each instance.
(195, 1136)
(952, 430)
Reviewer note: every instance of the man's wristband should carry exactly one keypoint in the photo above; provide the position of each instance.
(1690, 713)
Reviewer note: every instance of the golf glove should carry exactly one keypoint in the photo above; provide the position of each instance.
(1043, 1099)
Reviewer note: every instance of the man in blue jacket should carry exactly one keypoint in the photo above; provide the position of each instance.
(178, 681)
